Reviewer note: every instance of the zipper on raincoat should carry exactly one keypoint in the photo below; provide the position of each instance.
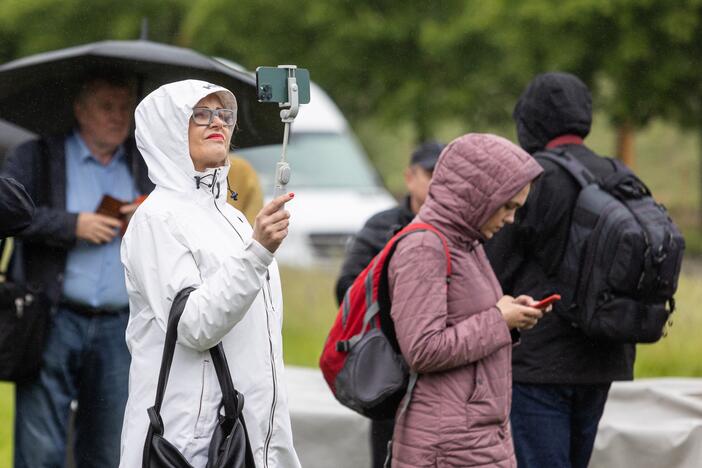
(266, 301)
(274, 403)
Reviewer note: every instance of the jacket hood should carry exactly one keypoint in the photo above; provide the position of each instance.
(553, 104)
(475, 175)
(161, 133)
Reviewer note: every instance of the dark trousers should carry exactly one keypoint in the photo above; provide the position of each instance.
(380, 435)
(555, 425)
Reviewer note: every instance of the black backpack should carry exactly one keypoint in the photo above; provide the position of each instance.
(622, 260)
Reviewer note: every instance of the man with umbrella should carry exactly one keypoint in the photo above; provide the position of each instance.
(72, 253)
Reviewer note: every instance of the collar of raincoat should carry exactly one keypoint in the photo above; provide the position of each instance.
(161, 134)
(475, 175)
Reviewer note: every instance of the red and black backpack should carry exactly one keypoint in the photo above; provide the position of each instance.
(361, 359)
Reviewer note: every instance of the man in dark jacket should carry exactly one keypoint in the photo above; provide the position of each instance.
(72, 254)
(372, 238)
(16, 208)
(561, 378)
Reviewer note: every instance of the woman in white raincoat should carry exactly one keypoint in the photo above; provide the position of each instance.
(185, 234)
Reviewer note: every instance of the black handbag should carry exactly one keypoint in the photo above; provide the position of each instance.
(229, 446)
(24, 321)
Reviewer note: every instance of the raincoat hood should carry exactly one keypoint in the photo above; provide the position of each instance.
(475, 175)
(161, 133)
(553, 104)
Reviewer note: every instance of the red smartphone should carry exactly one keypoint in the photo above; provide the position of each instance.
(543, 303)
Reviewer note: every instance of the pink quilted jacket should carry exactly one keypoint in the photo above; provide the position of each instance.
(455, 336)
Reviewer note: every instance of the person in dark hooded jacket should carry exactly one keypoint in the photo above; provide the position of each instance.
(561, 378)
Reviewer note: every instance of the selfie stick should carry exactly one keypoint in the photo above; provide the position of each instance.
(287, 115)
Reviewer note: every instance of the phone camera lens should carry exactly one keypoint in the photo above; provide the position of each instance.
(265, 93)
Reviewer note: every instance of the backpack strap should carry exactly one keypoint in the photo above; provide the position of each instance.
(377, 270)
(570, 164)
(413, 227)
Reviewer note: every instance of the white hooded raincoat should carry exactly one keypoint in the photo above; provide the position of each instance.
(185, 234)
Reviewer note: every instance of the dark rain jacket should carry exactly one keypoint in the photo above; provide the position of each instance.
(526, 255)
(16, 208)
(40, 165)
(369, 241)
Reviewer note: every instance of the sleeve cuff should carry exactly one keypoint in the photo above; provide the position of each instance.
(504, 334)
(260, 252)
(68, 231)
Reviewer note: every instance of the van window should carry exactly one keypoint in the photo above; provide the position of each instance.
(317, 160)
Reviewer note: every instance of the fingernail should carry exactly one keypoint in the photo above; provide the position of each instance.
(292, 195)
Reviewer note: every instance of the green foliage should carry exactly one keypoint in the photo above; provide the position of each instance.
(33, 26)
(423, 63)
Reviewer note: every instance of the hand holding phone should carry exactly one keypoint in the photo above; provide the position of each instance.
(543, 303)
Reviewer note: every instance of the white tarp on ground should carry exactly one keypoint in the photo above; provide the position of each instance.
(650, 423)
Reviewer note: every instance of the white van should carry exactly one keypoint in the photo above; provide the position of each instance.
(336, 188)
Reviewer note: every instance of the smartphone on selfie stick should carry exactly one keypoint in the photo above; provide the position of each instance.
(289, 86)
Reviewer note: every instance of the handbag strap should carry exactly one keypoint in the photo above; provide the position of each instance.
(177, 309)
(5, 256)
(232, 400)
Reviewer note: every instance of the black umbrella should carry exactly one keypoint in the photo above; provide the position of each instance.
(36, 92)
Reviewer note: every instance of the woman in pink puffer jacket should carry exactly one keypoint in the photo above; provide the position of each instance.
(457, 337)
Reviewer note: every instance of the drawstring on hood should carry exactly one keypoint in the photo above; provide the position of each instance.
(162, 120)
(214, 182)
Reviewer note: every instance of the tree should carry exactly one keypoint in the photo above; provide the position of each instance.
(32, 26)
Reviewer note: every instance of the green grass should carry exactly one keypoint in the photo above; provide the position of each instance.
(309, 308)
(7, 408)
(678, 353)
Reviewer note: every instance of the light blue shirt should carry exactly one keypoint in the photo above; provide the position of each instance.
(94, 274)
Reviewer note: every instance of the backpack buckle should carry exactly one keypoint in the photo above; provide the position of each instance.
(342, 346)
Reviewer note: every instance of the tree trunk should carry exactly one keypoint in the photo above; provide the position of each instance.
(421, 120)
(421, 128)
(625, 145)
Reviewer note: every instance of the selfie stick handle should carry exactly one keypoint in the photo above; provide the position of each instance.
(287, 115)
